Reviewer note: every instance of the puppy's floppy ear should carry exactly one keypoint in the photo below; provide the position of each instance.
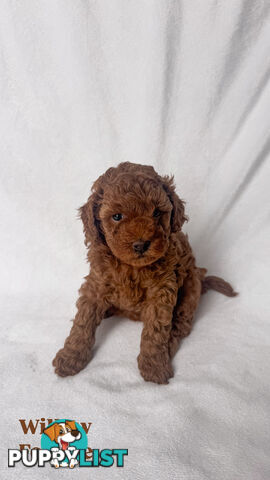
(91, 223)
(89, 214)
(178, 216)
(50, 431)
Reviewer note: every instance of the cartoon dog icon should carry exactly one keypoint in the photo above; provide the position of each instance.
(63, 434)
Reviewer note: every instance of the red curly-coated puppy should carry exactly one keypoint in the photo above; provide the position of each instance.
(142, 266)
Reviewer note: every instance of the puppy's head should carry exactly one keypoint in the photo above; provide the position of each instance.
(63, 433)
(133, 211)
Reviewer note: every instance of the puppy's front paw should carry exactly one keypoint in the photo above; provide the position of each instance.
(155, 368)
(69, 362)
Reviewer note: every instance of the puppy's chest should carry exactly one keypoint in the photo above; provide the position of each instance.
(128, 288)
(127, 292)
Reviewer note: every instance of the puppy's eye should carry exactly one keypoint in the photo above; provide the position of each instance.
(117, 217)
(61, 431)
(156, 213)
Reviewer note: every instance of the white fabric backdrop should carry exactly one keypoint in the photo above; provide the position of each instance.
(184, 86)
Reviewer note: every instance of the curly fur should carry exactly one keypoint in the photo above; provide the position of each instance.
(161, 286)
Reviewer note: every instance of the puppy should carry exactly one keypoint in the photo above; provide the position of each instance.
(142, 266)
(63, 433)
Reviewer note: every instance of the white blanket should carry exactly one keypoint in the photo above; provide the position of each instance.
(184, 86)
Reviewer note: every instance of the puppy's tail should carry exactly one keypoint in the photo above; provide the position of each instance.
(219, 285)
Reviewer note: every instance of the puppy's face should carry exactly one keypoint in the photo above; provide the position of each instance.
(133, 211)
(135, 219)
(63, 433)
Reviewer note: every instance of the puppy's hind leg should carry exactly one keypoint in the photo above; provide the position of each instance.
(76, 353)
(187, 302)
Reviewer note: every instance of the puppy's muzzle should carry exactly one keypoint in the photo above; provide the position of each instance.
(141, 246)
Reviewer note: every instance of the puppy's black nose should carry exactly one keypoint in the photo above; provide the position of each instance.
(75, 433)
(141, 246)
